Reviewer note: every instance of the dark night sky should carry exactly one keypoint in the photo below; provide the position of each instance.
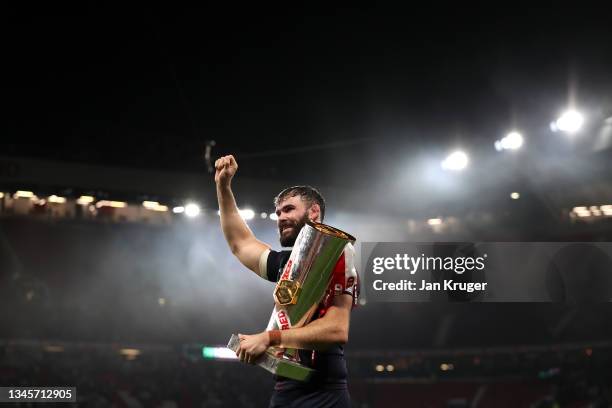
(146, 87)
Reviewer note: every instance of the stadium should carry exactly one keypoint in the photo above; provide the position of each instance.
(115, 275)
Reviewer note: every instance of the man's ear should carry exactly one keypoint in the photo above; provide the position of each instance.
(314, 213)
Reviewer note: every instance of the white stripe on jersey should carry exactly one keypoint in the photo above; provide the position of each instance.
(350, 272)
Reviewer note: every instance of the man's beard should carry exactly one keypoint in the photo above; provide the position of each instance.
(288, 240)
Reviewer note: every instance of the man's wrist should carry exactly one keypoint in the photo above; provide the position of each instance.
(274, 338)
(224, 185)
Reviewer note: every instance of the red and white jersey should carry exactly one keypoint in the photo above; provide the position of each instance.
(345, 280)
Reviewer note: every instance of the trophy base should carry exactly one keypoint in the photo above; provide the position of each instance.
(276, 365)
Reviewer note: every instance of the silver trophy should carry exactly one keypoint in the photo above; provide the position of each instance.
(299, 291)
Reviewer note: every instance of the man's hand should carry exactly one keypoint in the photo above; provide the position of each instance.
(225, 168)
(252, 346)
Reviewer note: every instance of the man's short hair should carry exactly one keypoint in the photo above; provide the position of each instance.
(307, 193)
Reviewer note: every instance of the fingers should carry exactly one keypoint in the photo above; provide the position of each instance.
(241, 353)
(232, 161)
(225, 161)
(244, 356)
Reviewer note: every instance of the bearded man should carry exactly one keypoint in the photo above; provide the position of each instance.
(321, 341)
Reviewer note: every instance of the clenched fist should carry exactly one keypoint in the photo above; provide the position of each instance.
(225, 168)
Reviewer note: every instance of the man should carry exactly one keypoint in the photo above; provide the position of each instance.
(319, 342)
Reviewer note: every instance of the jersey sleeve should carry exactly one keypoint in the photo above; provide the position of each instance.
(273, 265)
(345, 279)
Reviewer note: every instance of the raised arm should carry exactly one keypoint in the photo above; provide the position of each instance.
(241, 240)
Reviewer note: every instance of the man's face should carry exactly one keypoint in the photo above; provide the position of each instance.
(292, 215)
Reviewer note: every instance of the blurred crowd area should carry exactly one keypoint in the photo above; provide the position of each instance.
(105, 378)
(81, 281)
(77, 282)
(110, 380)
(505, 377)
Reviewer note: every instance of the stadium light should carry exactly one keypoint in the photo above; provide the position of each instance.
(192, 210)
(581, 211)
(515, 196)
(263, 215)
(24, 194)
(592, 211)
(274, 217)
(247, 214)
(434, 221)
(154, 206)
(218, 353)
(130, 353)
(455, 161)
(113, 204)
(570, 121)
(1, 195)
(595, 210)
(178, 210)
(85, 199)
(380, 368)
(55, 199)
(512, 141)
